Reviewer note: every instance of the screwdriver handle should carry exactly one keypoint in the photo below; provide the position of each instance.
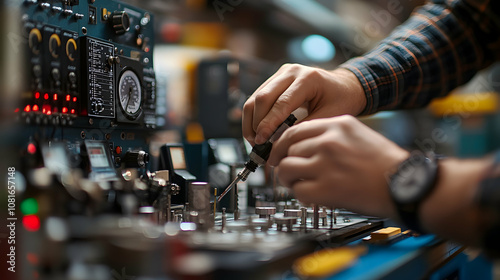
(259, 155)
(264, 150)
(284, 126)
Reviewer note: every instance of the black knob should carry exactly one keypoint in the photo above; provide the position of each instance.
(120, 21)
(136, 159)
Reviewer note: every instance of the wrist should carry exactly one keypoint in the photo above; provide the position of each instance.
(450, 210)
(354, 89)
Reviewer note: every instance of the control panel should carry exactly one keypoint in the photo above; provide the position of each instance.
(88, 59)
(89, 76)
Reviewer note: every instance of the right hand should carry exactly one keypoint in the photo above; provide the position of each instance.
(323, 93)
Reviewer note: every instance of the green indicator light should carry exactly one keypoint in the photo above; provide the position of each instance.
(29, 206)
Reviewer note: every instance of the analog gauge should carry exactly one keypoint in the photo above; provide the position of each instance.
(130, 95)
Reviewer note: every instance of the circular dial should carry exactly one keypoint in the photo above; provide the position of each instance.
(71, 49)
(35, 38)
(410, 183)
(414, 179)
(54, 44)
(129, 93)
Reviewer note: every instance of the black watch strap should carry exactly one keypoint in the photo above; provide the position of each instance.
(408, 211)
(410, 217)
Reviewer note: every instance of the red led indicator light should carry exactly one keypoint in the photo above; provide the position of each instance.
(27, 108)
(118, 149)
(46, 96)
(74, 99)
(55, 97)
(73, 111)
(31, 148)
(31, 223)
(65, 110)
(49, 113)
(68, 98)
(37, 95)
(32, 258)
(35, 108)
(17, 110)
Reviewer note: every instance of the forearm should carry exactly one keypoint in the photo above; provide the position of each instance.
(439, 48)
(451, 211)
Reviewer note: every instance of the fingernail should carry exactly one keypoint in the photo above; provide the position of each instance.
(259, 139)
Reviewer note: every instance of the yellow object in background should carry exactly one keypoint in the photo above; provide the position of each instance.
(384, 233)
(204, 34)
(465, 103)
(194, 133)
(328, 261)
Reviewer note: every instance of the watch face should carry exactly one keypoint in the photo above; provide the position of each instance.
(412, 182)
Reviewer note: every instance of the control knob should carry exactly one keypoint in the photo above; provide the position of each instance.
(136, 159)
(120, 21)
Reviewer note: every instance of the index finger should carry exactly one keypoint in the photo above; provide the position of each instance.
(294, 134)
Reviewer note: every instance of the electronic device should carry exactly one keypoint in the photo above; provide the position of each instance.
(227, 151)
(97, 158)
(173, 159)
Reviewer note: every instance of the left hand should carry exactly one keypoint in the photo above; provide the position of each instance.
(338, 162)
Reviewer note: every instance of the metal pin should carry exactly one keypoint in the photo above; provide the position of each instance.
(316, 216)
(324, 215)
(303, 217)
(215, 203)
(224, 219)
(332, 210)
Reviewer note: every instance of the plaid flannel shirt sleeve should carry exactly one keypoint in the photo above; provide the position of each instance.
(441, 46)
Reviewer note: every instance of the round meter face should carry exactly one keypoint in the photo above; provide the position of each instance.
(129, 94)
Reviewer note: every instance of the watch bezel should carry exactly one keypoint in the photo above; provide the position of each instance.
(417, 160)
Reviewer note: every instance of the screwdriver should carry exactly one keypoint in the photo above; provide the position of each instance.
(259, 155)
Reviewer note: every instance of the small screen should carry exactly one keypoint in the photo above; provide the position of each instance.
(227, 153)
(178, 160)
(97, 156)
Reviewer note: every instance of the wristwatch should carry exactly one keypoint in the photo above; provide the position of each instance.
(411, 184)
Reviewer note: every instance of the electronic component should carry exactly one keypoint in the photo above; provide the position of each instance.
(226, 150)
(260, 154)
(199, 205)
(384, 233)
(100, 78)
(173, 159)
(98, 160)
(130, 93)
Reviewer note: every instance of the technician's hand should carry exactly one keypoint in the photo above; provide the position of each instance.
(338, 162)
(323, 93)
